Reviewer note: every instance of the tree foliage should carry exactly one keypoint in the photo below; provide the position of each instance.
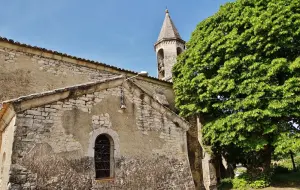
(241, 73)
(287, 142)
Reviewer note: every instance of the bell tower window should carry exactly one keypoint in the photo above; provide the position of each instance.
(161, 65)
(179, 51)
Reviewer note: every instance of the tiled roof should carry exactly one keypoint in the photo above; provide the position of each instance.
(76, 58)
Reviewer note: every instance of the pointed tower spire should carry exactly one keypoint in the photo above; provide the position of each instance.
(168, 29)
(168, 46)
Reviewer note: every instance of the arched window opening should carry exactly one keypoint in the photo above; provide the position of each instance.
(103, 156)
(179, 51)
(160, 62)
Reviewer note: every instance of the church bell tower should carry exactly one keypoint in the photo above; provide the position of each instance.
(168, 46)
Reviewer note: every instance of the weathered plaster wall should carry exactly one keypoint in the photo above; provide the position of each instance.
(7, 137)
(30, 73)
(55, 143)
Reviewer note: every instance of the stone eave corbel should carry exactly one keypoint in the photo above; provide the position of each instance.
(168, 39)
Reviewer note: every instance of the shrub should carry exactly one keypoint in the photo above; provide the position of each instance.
(240, 183)
(246, 181)
(225, 184)
(257, 184)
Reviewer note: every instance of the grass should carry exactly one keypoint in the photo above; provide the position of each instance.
(283, 178)
(291, 179)
(287, 181)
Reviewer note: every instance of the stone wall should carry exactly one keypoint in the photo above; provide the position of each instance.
(29, 73)
(53, 146)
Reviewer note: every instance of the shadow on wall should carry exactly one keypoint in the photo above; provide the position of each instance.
(56, 172)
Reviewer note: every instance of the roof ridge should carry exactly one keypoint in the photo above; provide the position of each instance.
(10, 41)
(26, 102)
(57, 90)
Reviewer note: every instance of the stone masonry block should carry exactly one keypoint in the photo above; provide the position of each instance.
(33, 112)
(50, 110)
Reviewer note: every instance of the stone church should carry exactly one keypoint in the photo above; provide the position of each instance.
(72, 123)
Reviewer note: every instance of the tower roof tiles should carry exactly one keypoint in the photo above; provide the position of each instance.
(168, 30)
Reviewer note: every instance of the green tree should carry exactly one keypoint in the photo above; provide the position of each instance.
(241, 73)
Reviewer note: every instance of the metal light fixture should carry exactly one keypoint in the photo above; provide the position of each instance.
(142, 73)
(123, 106)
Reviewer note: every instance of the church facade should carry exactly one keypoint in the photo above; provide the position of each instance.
(70, 123)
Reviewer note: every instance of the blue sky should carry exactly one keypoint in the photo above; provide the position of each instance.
(115, 32)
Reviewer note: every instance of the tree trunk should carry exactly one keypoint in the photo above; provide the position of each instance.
(267, 157)
(293, 161)
(260, 162)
